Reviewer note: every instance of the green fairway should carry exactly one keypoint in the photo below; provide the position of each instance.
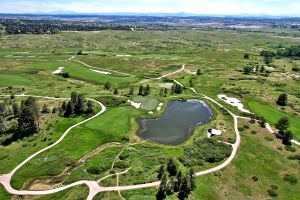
(272, 115)
(14, 80)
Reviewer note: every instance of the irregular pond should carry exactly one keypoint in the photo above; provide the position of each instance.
(177, 124)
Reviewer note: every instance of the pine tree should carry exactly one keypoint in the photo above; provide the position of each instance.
(63, 107)
(89, 109)
(161, 171)
(116, 91)
(16, 110)
(79, 106)
(131, 91)
(69, 109)
(172, 167)
(178, 182)
(147, 90)
(2, 125)
(192, 176)
(282, 99)
(107, 85)
(161, 194)
(141, 90)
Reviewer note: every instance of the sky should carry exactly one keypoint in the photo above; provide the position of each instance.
(222, 7)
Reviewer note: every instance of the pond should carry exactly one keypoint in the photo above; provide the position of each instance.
(177, 124)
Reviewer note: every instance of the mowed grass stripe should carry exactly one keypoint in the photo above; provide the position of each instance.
(272, 115)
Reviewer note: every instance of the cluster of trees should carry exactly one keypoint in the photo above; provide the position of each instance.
(76, 106)
(250, 68)
(144, 91)
(289, 52)
(284, 133)
(20, 120)
(19, 26)
(174, 180)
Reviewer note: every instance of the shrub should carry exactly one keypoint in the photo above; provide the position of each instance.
(268, 138)
(290, 178)
(296, 69)
(295, 157)
(246, 126)
(272, 193)
(253, 132)
(254, 178)
(274, 187)
(290, 148)
(241, 129)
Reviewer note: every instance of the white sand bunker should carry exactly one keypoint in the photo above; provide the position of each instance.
(123, 55)
(234, 102)
(212, 132)
(136, 105)
(58, 71)
(99, 71)
(159, 106)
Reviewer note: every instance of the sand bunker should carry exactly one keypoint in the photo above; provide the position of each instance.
(99, 71)
(234, 102)
(58, 71)
(212, 132)
(136, 105)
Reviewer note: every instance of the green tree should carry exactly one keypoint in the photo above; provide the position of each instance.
(246, 56)
(199, 72)
(63, 107)
(172, 167)
(90, 108)
(107, 85)
(248, 69)
(282, 99)
(192, 176)
(185, 188)
(2, 125)
(283, 124)
(178, 89)
(116, 91)
(161, 194)
(287, 137)
(16, 110)
(69, 109)
(146, 91)
(141, 90)
(131, 91)
(79, 53)
(79, 106)
(161, 171)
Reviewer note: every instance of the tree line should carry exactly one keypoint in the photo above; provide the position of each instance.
(20, 26)
(289, 52)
